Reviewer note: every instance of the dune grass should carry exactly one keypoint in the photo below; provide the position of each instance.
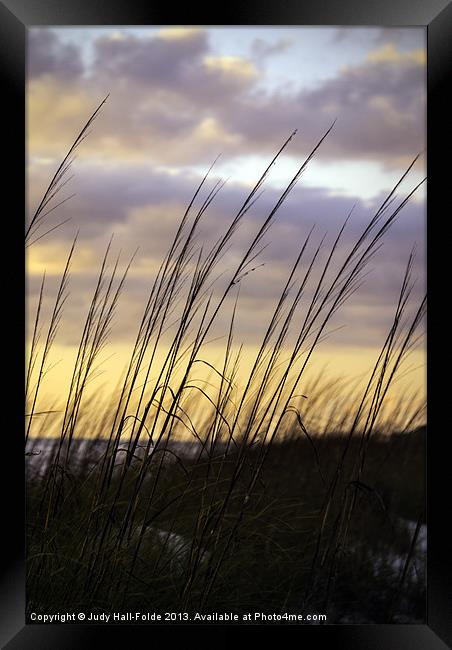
(270, 512)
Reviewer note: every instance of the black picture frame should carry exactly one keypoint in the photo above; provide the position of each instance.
(436, 16)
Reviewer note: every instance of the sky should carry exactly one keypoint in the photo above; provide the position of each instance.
(179, 97)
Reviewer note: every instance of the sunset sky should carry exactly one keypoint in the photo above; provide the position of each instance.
(179, 97)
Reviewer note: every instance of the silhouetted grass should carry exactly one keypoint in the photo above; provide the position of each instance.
(287, 499)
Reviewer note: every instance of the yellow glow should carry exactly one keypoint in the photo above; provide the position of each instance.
(390, 54)
(231, 65)
(57, 109)
(53, 115)
(117, 36)
(347, 363)
(211, 130)
(50, 257)
(179, 33)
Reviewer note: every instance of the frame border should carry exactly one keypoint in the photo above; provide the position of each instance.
(436, 16)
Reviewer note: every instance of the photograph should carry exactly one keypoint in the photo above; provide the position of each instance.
(225, 248)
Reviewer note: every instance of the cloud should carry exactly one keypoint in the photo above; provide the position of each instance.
(230, 65)
(143, 207)
(172, 68)
(406, 37)
(379, 105)
(390, 54)
(48, 56)
(159, 60)
(175, 102)
(262, 49)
